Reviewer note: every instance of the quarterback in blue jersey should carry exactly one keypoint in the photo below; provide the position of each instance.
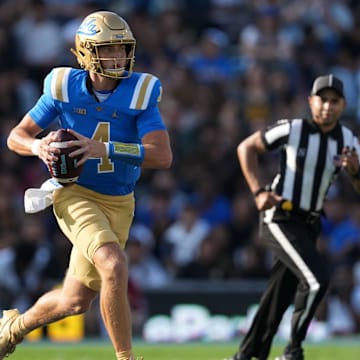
(113, 112)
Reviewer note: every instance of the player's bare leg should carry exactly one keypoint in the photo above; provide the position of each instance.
(111, 263)
(72, 298)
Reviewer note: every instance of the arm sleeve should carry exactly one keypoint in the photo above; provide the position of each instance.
(276, 135)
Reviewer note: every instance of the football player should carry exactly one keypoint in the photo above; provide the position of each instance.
(113, 112)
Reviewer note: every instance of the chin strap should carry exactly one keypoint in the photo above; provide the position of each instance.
(37, 199)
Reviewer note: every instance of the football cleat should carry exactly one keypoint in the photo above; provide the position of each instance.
(8, 340)
(292, 354)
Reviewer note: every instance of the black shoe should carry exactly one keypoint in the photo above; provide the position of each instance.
(292, 354)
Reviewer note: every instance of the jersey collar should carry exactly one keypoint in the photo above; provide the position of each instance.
(334, 133)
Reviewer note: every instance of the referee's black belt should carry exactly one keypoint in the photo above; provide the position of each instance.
(310, 217)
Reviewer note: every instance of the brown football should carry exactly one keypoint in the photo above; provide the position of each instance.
(65, 170)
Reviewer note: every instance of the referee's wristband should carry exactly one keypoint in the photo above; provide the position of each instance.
(130, 153)
(259, 191)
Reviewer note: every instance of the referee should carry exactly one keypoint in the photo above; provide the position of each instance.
(312, 153)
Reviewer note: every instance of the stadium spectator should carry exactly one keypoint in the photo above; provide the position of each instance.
(213, 260)
(145, 270)
(38, 40)
(342, 317)
(210, 62)
(182, 239)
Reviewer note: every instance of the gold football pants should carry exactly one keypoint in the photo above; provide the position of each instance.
(90, 220)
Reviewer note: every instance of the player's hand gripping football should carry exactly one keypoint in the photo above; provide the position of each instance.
(87, 148)
(45, 149)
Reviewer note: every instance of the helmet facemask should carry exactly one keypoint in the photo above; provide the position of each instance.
(99, 29)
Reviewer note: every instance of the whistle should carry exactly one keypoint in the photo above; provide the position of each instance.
(286, 205)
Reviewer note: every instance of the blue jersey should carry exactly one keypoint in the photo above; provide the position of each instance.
(128, 114)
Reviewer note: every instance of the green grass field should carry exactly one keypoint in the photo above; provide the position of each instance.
(93, 350)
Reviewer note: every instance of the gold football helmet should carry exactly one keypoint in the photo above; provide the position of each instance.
(104, 28)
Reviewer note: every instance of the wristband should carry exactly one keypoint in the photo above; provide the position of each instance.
(35, 147)
(130, 153)
(259, 191)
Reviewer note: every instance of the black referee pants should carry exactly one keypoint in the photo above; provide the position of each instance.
(299, 275)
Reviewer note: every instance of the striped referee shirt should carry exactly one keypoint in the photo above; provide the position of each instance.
(309, 159)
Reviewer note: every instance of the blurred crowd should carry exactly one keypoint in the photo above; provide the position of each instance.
(228, 68)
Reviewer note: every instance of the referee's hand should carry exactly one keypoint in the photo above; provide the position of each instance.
(350, 161)
(266, 200)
